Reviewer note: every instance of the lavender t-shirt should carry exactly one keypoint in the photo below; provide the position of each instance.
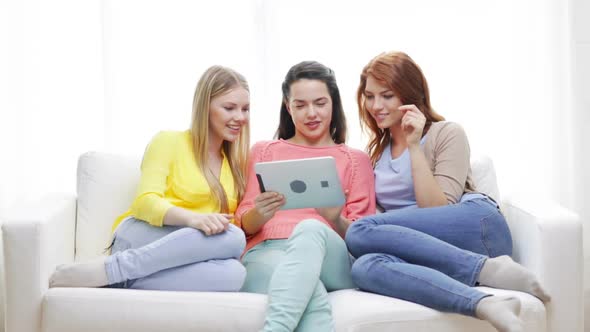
(394, 187)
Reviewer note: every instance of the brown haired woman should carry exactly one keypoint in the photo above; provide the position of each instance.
(297, 256)
(438, 237)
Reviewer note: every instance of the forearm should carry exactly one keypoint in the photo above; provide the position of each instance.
(151, 208)
(428, 192)
(252, 221)
(341, 226)
(176, 216)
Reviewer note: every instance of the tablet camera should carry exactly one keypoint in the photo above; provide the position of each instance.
(298, 186)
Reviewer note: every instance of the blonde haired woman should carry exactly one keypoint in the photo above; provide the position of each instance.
(177, 234)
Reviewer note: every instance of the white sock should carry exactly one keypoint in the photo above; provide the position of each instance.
(86, 274)
(503, 272)
(502, 312)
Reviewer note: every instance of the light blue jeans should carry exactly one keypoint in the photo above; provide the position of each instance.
(297, 274)
(430, 256)
(175, 258)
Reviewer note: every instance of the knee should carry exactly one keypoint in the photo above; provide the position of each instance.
(367, 269)
(310, 227)
(496, 236)
(235, 240)
(309, 234)
(361, 267)
(356, 237)
(235, 275)
(505, 247)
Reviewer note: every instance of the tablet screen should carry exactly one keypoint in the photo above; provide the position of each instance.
(305, 183)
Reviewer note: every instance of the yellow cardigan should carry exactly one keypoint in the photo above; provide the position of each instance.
(170, 177)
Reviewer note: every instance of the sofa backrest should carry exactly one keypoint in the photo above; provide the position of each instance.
(484, 176)
(106, 187)
(107, 183)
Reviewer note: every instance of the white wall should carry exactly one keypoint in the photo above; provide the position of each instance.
(154, 54)
(498, 68)
(52, 102)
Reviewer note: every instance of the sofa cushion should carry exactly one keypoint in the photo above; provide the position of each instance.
(106, 186)
(94, 310)
(357, 311)
(484, 176)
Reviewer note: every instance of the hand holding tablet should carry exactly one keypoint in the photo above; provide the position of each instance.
(305, 183)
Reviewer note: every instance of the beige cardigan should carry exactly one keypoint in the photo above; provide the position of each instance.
(447, 151)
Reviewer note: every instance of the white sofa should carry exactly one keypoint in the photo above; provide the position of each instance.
(67, 227)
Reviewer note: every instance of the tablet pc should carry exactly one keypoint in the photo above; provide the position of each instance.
(305, 183)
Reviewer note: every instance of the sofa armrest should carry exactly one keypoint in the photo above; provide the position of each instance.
(547, 240)
(37, 236)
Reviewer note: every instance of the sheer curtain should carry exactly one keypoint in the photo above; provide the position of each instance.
(581, 127)
(497, 68)
(154, 54)
(51, 94)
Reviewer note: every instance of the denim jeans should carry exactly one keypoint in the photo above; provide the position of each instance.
(431, 256)
(297, 274)
(175, 258)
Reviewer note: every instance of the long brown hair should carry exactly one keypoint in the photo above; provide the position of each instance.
(216, 81)
(398, 72)
(312, 70)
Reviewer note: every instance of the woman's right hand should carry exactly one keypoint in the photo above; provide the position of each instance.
(268, 203)
(210, 223)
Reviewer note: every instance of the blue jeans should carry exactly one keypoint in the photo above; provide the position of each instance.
(175, 258)
(297, 274)
(431, 256)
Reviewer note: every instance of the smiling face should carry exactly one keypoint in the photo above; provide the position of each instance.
(310, 107)
(228, 113)
(382, 104)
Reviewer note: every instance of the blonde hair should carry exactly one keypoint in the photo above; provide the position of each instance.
(216, 81)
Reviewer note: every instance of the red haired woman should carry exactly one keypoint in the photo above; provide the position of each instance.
(438, 236)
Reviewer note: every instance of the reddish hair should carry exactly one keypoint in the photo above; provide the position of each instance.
(398, 72)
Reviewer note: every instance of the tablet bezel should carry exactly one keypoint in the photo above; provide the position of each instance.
(271, 176)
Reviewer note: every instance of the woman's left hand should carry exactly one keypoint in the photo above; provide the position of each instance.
(331, 214)
(413, 122)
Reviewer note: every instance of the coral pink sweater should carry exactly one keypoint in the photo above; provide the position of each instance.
(356, 176)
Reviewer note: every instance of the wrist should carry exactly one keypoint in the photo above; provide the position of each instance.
(252, 221)
(414, 147)
(256, 216)
(339, 220)
(192, 222)
(177, 216)
(342, 225)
